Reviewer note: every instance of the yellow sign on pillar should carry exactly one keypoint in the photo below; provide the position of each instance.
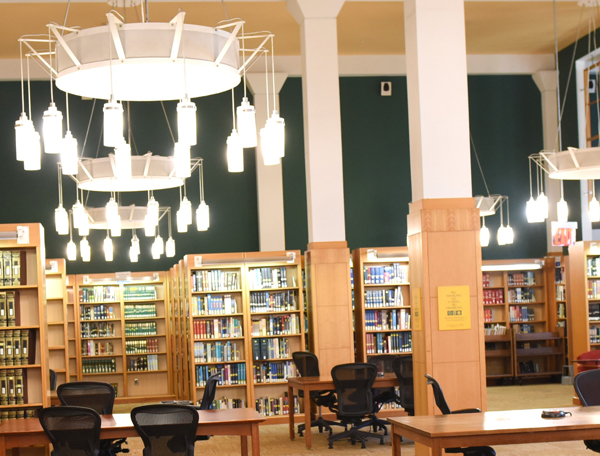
(417, 315)
(454, 308)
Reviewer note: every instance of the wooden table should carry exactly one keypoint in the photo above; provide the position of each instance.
(324, 382)
(243, 422)
(495, 428)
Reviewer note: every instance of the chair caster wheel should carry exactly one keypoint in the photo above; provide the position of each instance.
(300, 434)
(381, 442)
(385, 431)
(363, 445)
(320, 430)
(331, 446)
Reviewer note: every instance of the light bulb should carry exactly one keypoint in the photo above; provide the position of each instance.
(186, 208)
(123, 161)
(149, 227)
(532, 212)
(484, 236)
(267, 147)
(186, 122)
(276, 126)
(202, 217)
(61, 220)
(133, 255)
(562, 211)
(135, 244)
(52, 129)
(246, 123)
(71, 251)
(113, 123)
(170, 247)
(182, 160)
(160, 244)
(594, 210)
(68, 155)
(501, 235)
(23, 128)
(153, 209)
(33, 157)
(542, 201)
(182, 226)
(108, 249)
(86, 251)
(84, 225)
(509, 235)
(235, 153)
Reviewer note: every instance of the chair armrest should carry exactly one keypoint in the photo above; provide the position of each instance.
(471, 410)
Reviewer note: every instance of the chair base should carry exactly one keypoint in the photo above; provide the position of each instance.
(322, 424)
(354, 434)
(473, 451)
(377, 423)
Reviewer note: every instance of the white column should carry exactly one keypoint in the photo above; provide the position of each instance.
(322, 122)
(546, 82)
(438, 108)
(269, 179)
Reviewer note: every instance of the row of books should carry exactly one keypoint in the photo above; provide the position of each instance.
(384, 320)
(218, 328)
(215, 280)
(231, 374)
(14, 347)
(227, 403)
(593, 267)
(494, 330)
(10, 272)
(273, 348)
(594, 312)
(384, 298)
(274, 372)
(261, 278)
(521, 278)
(94, 348)
(140, 310)
(593, 289)
(488, 315)
(98, 293)
(214, 305)
(8, 308)
(100, 312)
(276, 325)
(142, 363)
(141, 346)
(561, 292)
(521, 295)
(217, 352)
(140, 329)
(521, 313)
(495, 296)
(528, 367)
(485, 278)
(264, 301)
(276, 406)
(17, 414)
(395, 273)
(99, 366)
(594, 335)
(139, 292)
(12, 387)
(98, 330)
(389, 343)
(524, 328)
(559, 273)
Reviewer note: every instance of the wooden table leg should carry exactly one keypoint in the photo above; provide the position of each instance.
(255, 440)
(291, 412)
(396, 442)
(244, 445)
(2, 446)
(307, 419)
(436, 449)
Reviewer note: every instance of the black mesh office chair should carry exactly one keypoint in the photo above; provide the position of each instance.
(586, 387)
(73, 431)
(383, 396)
(354, 388)
(402, 367)
(166, 429)
(441, 403)
(308, 366)
(52, 380)
(98, 396)
(210, 390)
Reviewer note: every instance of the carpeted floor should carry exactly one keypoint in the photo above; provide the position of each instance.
(274, 440)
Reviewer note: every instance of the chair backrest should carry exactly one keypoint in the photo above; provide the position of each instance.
(353, 385)
(52, 380)
(383, 362)
(586, 387)
(307, 363)
(95, 395)
(209, 391)
(166, 429)
(73, 431)
(402, 367)
(438, 395)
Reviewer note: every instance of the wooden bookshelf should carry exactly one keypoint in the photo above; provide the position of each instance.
(72, 315)
(539, 354)
(256, 301)
(560, 307)
(382, 301)
(24, 369)
(123, 334)
(500, 356)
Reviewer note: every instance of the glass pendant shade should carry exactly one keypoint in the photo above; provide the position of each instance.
(170, 247)
(86, 251)
(160, 244)
(182, 225)
(23, 128)
(186, 122)
(186, 209)
(52, 129)
(68, 155)
(594, 210)
(135, 244)
(115, 227)
(84, 226)
(149, 227)
(123, 161)
(112, 213)
(155, 251)
(78, 214)
(276, 126)
(202, 217)
(562, 211)
(267, 147)
(235, 153)
(153, 209)
(509, 235)
(61, 220)
(133, 256)
(484, 236)
(33, 157)
(542, 201)
(532, 212)
(113, 123)
(501, 235)
(71, 251)
(246, 124)
(108, 249)
(182, 160)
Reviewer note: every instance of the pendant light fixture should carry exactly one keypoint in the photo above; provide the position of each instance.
(562, 209)
(509, 234)
(275, 125)
(153, 210)
(84, 225)
(594, 206)
(182, 160)
(108, 248)
(532, 207)
(235, 151)
(71, 247)
(133, 257)
(113, 219)
(23, 126)
(542, 199)
(32, 153)
(149, 227)
(202, 213)
(501, 236)
(246, 114)
(135, 243)
(86, 251)
(68, 153)
(186, 114)
(170, 247)
(113, 114)
(484, 234)
(267, 143)
(61, 218)
(52, 118)
(123, 160)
